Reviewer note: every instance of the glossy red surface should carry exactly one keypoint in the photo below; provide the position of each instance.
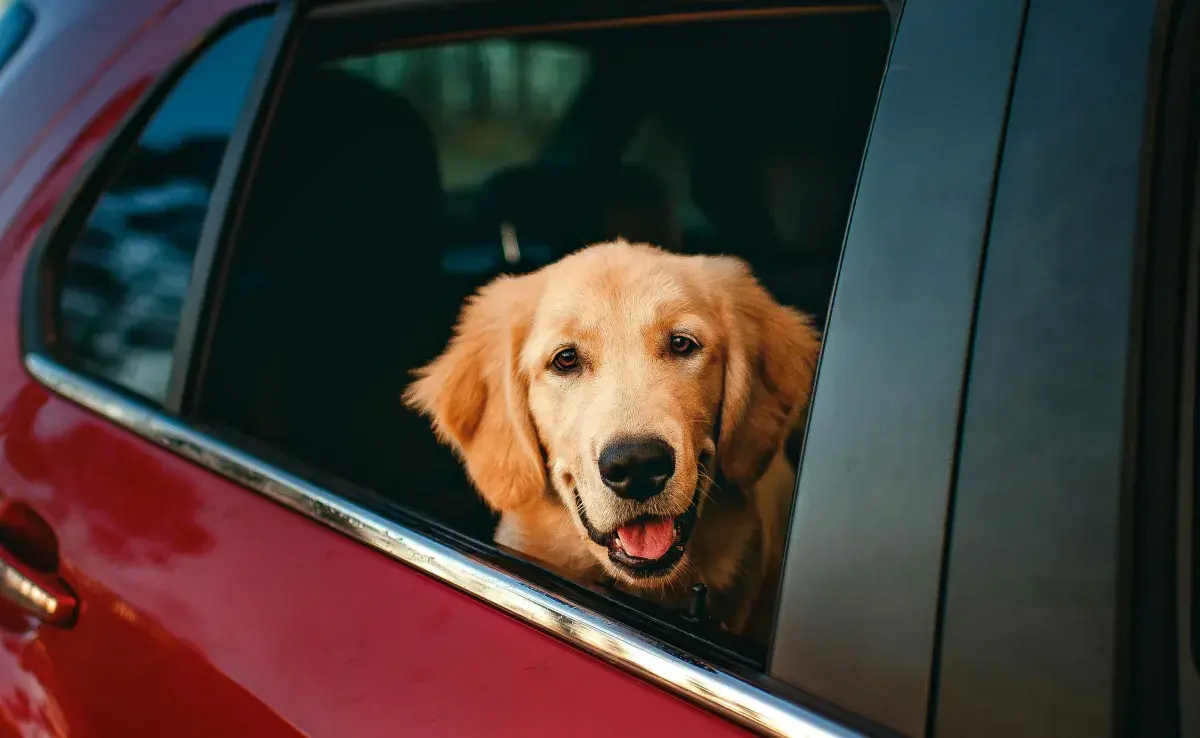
(206, 609)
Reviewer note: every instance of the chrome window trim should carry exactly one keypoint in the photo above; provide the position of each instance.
(616, 643)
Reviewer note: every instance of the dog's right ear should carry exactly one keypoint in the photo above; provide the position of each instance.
(477, 398)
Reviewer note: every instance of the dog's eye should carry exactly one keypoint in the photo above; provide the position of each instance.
(566, 360)
(683, 345)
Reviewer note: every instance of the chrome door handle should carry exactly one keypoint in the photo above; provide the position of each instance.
(40, 594)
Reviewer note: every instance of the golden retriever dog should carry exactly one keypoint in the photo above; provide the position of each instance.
(625, 409)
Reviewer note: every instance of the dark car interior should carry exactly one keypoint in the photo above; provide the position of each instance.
(350, 239)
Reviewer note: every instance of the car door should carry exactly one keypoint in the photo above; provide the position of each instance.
(224, 588)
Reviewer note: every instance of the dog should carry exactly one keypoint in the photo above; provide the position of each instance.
(625, 411)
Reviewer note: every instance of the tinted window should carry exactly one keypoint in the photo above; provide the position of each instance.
(16, 21)
(490, 106)
(127, 272)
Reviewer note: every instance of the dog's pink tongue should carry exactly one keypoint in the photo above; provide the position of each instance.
(648, 540)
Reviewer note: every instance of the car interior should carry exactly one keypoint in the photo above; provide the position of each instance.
(353, 257)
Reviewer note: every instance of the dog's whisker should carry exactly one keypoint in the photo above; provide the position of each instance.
(712, 484)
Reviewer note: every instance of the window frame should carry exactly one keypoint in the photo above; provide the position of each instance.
(755, 700)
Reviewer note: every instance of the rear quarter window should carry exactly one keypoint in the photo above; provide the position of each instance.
(16, 21)
(125, 274)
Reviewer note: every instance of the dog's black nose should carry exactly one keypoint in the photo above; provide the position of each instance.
(637, 468)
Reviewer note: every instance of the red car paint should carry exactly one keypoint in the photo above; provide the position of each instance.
(206, 609)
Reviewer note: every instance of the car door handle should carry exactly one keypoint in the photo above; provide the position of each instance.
(39, 594)
(29, 566)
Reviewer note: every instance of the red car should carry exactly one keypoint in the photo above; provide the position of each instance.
(228, 231)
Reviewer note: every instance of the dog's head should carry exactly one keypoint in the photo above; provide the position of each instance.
(620, 379)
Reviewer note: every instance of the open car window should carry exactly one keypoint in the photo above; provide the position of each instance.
(393, 185)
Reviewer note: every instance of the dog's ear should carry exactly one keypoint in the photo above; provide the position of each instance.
(477, 399)
(771, 358)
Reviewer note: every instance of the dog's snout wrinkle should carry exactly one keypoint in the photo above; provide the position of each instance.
(637, 468)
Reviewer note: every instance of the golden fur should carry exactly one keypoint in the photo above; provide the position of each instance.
(529, 435)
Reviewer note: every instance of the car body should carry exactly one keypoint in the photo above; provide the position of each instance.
(997, 488)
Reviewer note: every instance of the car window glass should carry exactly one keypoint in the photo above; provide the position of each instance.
(491, 104)
(653, 148)
(16, 21)
(126, 273)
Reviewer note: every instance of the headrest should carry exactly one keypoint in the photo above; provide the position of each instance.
(350, 169)
(574, 206)
(327, 114)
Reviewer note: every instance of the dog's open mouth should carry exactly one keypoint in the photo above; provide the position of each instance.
(649, 546)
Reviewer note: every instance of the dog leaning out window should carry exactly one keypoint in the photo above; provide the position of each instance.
(625, 410)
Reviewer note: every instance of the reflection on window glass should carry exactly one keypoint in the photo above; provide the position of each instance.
(491, 103)
(127, 273)
(654, 148)
(16, 21)
(491, 107)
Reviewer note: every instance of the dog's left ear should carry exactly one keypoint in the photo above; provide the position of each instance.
(771, 359)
